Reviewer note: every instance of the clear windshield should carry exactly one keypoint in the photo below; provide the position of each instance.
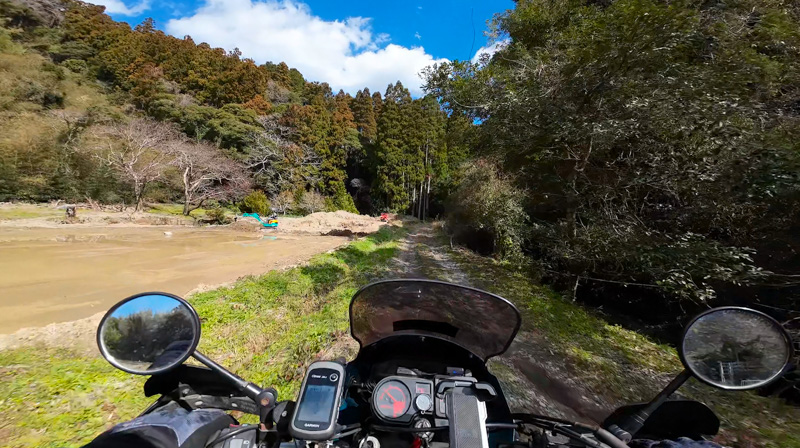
(483, 323)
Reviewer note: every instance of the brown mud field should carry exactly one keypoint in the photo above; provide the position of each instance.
(63, 274)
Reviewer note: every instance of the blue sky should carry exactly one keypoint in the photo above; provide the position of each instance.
(155, 303)
(347, 44)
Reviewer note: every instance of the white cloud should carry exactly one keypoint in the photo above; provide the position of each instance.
(417, 35)
(490, 50)
(119, 7)
(346, 54)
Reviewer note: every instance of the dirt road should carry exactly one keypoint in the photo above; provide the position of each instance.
(533, 378)
(62, 274)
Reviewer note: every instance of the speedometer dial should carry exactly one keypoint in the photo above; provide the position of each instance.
(391, 399)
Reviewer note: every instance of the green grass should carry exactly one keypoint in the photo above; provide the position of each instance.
(55, 397)
(175, 210)
(265, 328)
(27, 212)
(624, 366)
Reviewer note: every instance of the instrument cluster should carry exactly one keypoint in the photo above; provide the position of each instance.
(397, 399)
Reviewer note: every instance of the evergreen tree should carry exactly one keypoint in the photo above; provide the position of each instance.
(392, 179)
(377, 105)
(364, 115)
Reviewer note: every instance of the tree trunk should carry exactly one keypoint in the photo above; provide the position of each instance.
(427, 199)
(419, 214)
(138, 193)
(424, 212)
(187, 206)
(186, 193)
(414, 202)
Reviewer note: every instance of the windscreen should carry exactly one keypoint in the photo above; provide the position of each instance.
(483, 323)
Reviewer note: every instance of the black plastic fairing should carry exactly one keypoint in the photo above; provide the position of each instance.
(673, 419)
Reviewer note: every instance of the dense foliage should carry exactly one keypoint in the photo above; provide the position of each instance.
(255, 202)
(70, 69)
(656, 141)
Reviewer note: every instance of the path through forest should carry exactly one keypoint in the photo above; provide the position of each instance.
(533, 377)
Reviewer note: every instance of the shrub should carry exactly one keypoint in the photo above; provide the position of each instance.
(217, 215)
(283, 201)
(255, 202)
(341, 201)
(488, 206)
(312, 202)
(76, 66)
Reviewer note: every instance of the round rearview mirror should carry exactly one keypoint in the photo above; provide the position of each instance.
(149, 333)
(735, 348)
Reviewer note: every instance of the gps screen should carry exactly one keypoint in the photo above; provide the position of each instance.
(317, 403)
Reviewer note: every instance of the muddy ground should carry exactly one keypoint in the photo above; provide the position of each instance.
(56, 275)
(58, 270)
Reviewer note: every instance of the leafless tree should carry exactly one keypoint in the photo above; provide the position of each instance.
(207, 174)
(281, 163)
(283, 201)
(70, 125)
(312, 202)
(137, 151)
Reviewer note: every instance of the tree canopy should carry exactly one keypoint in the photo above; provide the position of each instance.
(656, 142)
(294, 136)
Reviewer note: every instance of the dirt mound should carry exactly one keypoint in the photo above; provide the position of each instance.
(338, 223)
(246, 224)
(79, 334)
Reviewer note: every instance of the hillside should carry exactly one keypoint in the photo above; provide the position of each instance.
(82, 96)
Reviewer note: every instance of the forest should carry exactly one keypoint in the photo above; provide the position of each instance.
(640, 154)
(643, 154)
(95, 110)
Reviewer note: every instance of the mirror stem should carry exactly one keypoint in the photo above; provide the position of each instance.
(248, 388)
(635, 422)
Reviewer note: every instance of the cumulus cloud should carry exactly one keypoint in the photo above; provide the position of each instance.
(119, 7)
(346, 54)
(489, 51)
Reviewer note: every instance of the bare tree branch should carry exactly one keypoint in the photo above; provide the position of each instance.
(137, 152)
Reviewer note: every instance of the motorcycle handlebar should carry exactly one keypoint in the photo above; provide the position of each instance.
(609, 439)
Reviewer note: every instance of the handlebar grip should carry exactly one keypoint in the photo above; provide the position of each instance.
(620, 433)
(609, 439)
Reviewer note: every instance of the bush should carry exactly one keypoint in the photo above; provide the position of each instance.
(312, 202)
(76, 66)
(256, 202)
(283, 201)
(487, 206)
(217, 215)
(341, 201)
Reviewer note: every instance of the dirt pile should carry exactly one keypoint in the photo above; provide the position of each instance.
(78, 334)
(246, 224)
(339, 223)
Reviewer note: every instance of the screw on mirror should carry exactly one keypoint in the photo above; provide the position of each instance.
(630, 426)
(267, 400)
